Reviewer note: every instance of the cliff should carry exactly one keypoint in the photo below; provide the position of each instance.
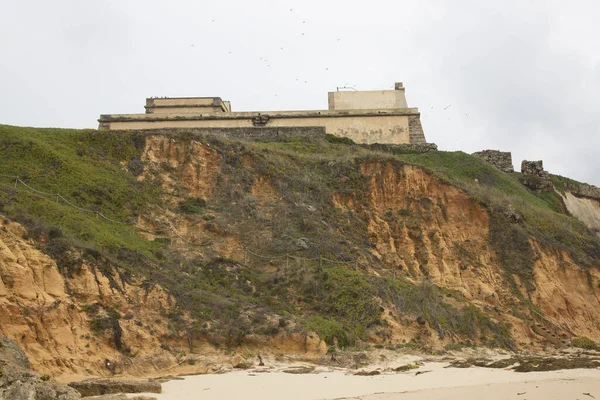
(168, 252)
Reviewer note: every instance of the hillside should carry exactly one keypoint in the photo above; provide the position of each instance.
(159, 250)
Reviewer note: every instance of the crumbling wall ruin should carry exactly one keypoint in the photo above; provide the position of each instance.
(499, 159)
(534, 177)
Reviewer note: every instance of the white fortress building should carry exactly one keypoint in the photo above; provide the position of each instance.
(376, 116)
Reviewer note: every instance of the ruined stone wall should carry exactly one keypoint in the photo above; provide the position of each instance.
(499, 159)
(534, 177)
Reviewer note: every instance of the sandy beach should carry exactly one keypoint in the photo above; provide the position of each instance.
(431, 381)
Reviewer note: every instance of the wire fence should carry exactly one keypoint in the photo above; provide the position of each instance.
(170, 228)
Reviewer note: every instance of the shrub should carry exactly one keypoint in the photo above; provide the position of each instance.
(192, 205)
(331, 332)
(584, 343)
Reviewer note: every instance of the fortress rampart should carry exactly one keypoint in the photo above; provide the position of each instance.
(365, 117)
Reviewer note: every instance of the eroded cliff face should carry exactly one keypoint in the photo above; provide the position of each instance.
(61, 321)
(41, 309)
(446, 238)
(585, 209)
(417, 226)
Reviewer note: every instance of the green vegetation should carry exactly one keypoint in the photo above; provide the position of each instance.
(584, 343)
(83, 167)
(305, 250)
(192, 205)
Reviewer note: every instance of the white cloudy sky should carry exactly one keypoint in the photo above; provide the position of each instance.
(520, 75)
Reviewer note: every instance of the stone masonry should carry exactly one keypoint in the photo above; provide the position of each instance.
(534, 177)
(499, 159)
(265, 134)
(415, 130)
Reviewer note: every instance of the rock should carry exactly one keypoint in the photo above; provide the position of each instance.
(11, 353)
(299, 370)
(404, 368)
(367, 373)
(302, 243)
(17, 382)
(583, 190)
(96, 387)
(498, 159)
(240, 362)
(512, 214)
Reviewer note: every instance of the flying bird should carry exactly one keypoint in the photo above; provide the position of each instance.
(448, 106)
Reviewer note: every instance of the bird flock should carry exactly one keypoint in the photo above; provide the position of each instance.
(304, 28)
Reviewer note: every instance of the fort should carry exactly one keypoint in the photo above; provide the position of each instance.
(368, 117)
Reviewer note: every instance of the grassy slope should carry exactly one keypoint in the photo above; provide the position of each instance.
(85, 166)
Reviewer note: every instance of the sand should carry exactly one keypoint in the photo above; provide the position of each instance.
(437, 383)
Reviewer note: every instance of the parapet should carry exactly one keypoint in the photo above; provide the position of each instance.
(368, 100)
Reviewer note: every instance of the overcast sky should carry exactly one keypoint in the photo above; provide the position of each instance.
(518, 75)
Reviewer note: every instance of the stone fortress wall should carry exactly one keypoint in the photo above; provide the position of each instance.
(364, 116)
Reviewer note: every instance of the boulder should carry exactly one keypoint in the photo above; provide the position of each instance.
(11, 353)
(18, 382)
(96, 387)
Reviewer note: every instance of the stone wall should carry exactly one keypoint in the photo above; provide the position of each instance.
(415, 130)
(408, 148)
(499, 159)
(260, 134)
(534, 177)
